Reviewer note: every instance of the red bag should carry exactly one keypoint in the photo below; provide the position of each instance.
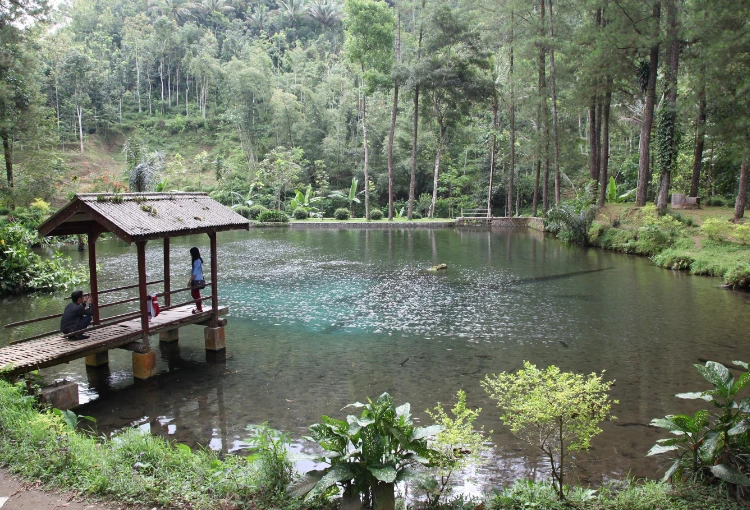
(154, 306)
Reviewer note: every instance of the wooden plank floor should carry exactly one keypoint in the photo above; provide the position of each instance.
(56, 349)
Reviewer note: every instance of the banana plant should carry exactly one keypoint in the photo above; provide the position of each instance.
(305, 200)
(612, 196)
(368, 454)
(710, 444)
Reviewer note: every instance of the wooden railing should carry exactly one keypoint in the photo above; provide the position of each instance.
(479, 212)
(106, 321)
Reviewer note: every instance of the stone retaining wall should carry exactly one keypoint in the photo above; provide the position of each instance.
(532, 223)
(374, 225)
(506, 222)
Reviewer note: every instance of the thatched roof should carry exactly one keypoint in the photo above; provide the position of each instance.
(142, 216)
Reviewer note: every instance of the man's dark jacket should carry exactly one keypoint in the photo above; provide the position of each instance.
(72, 317)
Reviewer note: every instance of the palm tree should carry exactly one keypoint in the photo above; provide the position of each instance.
(178, 10)
(292, 9)
(259, 16)
(325, 12)
(216, 6)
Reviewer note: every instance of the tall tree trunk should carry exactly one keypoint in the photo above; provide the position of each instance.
(493, 152)
(604, 163)
(415, 129)
(555, 141)
(161, 83)
(8, 151)
(673, 57)
(644, 153)
(739, 204)
(394, 112)
(79, 114)
(700, 136)
(593, 148)
(512, 113)
(436, 171)
(541, 120)
(138, 78)
(364, 141)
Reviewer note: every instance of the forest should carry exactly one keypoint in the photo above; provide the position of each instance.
(432, 106)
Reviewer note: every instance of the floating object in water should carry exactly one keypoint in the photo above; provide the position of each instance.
(563, 344)
(402, 363)
(439, 267)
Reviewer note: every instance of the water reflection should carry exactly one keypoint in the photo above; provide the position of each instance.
(321, 319)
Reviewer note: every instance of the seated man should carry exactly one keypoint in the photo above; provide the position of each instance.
(77, 315)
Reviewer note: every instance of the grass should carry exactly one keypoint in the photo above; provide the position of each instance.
(132, 467)
(629, 495)
(675, 241)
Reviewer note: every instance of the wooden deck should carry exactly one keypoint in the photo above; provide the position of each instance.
(56, 349)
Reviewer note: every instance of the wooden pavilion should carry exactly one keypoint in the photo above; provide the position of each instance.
(135, 218)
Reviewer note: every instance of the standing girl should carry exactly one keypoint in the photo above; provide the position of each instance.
(196, 279)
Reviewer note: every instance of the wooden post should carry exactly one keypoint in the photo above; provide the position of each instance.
(92, 276)
(214, 283)
(167, 280)
(142, 290)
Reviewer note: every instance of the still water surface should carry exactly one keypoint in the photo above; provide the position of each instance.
(323, 318)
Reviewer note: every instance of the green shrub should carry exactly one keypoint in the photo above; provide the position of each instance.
(22, 270)
(710, 445)
(674, 259)
(557, 412)
(256, 211)
(416, 216)
(243, 211)
(39, 206)
(376, 214)
(4, 211)
(657, 232)
(725, 231)
(387, 446)
(572, 220)
(738, 277)
(687, 221)
(300, 213)
(717, 202)
(273, 216)
(341, 214)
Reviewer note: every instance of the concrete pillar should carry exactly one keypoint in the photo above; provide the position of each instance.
(98, 359)
(144, 365)
(215, 340)
(170, 336)
(61, 394)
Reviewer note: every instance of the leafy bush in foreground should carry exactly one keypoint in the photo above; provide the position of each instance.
(386, 448)
(556, 412)
(376, 214)
(711, 445)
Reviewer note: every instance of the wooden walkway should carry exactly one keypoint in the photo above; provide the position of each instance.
(56, 349)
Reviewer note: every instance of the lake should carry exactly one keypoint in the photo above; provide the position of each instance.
(321, 318)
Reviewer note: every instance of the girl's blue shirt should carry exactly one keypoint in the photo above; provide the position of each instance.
(197, 270)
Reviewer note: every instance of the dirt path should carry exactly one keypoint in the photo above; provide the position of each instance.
(18, 495)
